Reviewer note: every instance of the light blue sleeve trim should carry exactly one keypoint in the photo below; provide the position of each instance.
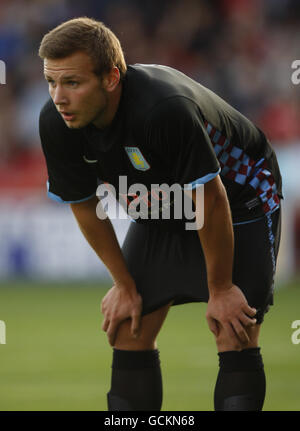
(56, 198)
(202, 180)
(256, 219)
(248, 221)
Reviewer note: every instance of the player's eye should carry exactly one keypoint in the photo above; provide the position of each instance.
(50, 82)
(72, 83)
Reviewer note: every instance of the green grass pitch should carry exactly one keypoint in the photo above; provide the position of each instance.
(56, 356)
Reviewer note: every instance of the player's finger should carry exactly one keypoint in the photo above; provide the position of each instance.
(240, 331)
(105, 324)
(247, 321)
(232, 334)
(250, 311)
(213, 325)
(135, 324)
(112, 332)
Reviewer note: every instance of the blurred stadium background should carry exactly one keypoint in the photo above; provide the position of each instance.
(51, 283)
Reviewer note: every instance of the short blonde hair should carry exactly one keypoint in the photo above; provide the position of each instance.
(88, 35)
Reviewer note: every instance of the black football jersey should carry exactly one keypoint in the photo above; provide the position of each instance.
(168, 129)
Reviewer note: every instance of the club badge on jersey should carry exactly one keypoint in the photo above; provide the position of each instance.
(137, 159)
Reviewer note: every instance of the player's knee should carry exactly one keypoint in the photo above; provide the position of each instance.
(225, 342)
(126, 341)
(149, 328)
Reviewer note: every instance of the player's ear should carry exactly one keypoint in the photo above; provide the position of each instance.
(111, 79)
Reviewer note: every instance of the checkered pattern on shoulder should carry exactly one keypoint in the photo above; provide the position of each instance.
(239, 167)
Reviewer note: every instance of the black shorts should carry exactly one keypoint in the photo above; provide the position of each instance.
(169, 265)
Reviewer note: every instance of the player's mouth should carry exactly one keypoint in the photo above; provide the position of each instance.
(67, 116)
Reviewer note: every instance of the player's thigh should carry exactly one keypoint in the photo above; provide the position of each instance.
(226, 343)
(149, 328)
(255, 253)
(256, 248)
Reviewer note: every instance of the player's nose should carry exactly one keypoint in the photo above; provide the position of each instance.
(58, 96)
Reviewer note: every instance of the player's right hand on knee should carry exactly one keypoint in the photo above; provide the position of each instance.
(229, 309)
(121, 302)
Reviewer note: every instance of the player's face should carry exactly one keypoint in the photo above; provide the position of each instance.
(77, 92)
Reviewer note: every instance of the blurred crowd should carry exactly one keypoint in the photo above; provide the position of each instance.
(242, 49)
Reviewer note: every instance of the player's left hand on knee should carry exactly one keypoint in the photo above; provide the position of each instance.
(120, 303)
(229, 309)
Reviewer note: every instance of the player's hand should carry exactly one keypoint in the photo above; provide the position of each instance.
(120, 303)
(229, 309)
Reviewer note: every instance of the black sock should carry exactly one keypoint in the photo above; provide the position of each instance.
(136, 382)
(241, 383)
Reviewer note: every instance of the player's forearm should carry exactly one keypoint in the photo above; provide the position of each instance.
(101, 237)
(217, 241)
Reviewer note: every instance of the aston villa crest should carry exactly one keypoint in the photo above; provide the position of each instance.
(137, 159)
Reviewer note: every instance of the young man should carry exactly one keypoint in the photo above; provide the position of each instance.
(151, 125)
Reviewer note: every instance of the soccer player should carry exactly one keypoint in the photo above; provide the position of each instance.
(153, 125)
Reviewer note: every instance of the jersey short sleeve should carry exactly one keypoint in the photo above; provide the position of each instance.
(176, 128)
(70, 179)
